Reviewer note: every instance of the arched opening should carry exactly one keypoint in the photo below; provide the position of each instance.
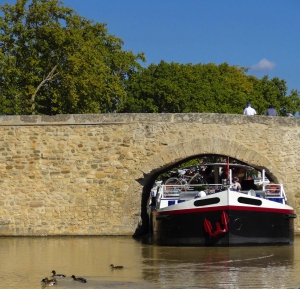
(162, 173)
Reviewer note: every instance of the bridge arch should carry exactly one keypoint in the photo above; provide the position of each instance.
(173, 155)
(181, 152)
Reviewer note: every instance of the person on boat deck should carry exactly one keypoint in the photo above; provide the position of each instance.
(236, 186)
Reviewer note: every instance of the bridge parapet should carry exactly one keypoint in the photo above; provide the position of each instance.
(205, 118)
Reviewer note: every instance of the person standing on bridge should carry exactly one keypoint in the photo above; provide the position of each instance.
(249, 110)
(271, 111)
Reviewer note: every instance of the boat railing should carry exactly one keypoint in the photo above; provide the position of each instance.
(274, 191)
(186, 189)
(172, 190)
(268, 191)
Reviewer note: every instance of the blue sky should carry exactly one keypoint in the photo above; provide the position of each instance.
(263, 35)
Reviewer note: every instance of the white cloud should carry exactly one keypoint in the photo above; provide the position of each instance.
(263, 65)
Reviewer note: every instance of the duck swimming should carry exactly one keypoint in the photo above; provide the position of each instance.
(115, 267)
(80, 279)
(57, 275)
(47, 282)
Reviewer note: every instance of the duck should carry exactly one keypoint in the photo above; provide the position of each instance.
(115, 267)
(57, 275)
(47, 282)
(80, 279)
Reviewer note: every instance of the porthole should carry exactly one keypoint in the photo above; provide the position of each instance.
(207, 202)
(237, 224)
(249, 201)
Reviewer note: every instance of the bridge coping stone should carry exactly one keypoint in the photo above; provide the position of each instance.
(204, 118)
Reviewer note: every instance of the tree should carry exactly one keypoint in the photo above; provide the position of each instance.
(175, 87)
(210, 88)
(274, 92)
(54, 61)
(292, 104)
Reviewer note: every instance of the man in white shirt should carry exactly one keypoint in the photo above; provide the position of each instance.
(249, 110)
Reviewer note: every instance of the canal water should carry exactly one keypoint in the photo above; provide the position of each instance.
(25, 261)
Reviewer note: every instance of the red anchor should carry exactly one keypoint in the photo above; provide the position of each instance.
(208, 227)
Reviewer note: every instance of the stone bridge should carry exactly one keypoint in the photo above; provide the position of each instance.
(91, 174)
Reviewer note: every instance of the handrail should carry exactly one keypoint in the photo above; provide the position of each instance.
(170, 190)
(275, 191)
(175, 190)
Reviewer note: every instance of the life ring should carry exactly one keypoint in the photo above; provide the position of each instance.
(273, 189)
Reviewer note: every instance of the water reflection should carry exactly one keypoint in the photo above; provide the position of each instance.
(240, 267)
(26, 261)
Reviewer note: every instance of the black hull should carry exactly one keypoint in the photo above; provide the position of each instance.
(243, 228)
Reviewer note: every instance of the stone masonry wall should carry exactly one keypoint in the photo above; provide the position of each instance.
(84, 174)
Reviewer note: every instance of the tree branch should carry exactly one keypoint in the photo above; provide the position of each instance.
(51, 76)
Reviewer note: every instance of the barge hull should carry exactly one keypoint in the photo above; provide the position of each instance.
(208, 228)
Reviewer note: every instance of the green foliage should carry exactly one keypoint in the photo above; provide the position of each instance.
(54, 61)
(187, 88)
(178, 88)
(274, 92)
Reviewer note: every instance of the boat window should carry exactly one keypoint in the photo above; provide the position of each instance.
(206, 202)
(249, 201)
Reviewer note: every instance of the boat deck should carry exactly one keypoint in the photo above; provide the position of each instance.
(172, 194)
